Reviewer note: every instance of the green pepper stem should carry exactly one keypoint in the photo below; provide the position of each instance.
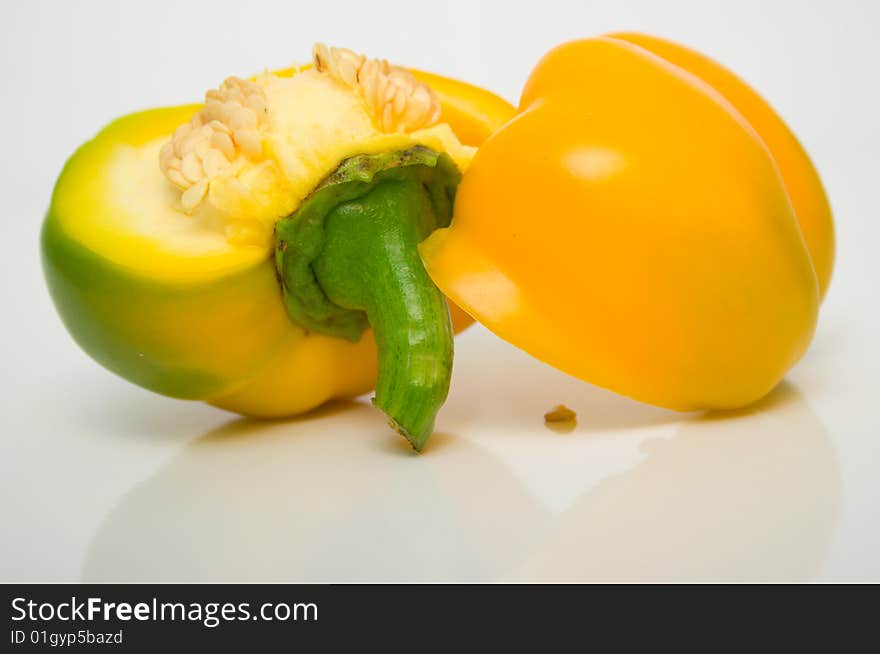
(369, 261)
(347, 258)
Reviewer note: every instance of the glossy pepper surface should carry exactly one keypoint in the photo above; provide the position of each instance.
(244, 251)
(802, 182)
(632, 227)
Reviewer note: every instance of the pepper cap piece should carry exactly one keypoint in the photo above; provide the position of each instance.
(630, 228)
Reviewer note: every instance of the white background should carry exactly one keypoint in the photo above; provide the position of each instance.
(102, 480)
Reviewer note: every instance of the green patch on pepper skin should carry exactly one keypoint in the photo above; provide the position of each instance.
(90, 294)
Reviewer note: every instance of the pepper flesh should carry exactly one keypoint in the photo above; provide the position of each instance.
(630, 228)
(209, 325)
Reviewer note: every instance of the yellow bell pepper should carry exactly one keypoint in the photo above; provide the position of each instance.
(631, 227)
(169, 232)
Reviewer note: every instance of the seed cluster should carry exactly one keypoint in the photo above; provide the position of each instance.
(226, 132)
(397, 100)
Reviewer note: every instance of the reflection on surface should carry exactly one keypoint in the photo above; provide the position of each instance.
(333, 497)
(496, 386)
(752, 495)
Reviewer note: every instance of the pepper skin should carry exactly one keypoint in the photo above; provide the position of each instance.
(630, 228)
(203, 321)
(802, 182)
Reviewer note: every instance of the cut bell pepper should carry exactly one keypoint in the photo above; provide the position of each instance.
(162, 257)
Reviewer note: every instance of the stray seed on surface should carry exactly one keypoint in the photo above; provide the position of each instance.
(560, 419)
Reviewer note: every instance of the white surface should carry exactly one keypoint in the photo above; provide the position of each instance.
(102, 480)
